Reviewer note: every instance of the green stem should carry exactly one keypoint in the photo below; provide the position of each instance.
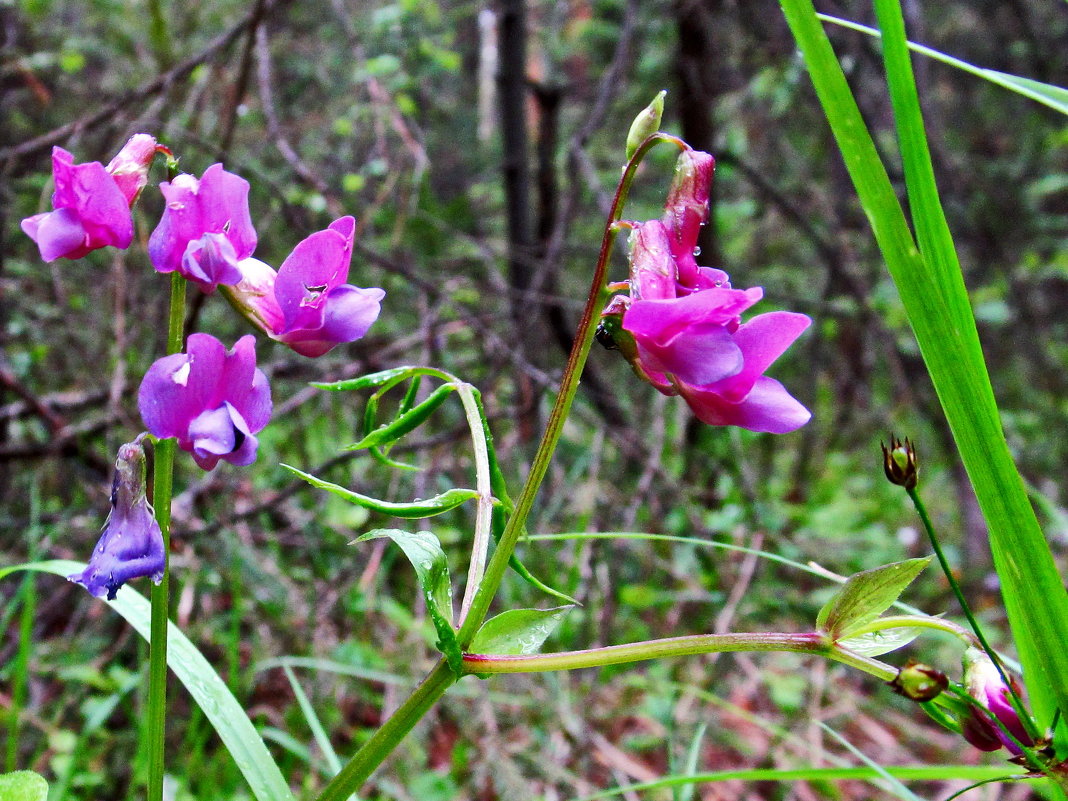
(162, 490)
(1017, 702)
(915, 622)
(382, 743)
(375, 750)
(806, 643)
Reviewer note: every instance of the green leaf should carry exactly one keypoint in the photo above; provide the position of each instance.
(432, 571)
(23, 785)
(866, 595)
(407, 421)
(437, 505)
(879, 642)
(203, 683)
(1053, 96)
(935, 298)
(518, 631)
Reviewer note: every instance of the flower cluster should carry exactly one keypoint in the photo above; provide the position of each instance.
(680, 326)
(212, 401)
(206, 235)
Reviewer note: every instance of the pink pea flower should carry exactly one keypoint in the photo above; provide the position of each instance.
(131, 545)
(307, 305)
(212, 400)
(681, 327)
(985, 685)
(206, 228)
(90, 211)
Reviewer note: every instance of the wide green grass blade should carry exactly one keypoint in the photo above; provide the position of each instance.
(1045, 93)
(203, 683)
(932, 290)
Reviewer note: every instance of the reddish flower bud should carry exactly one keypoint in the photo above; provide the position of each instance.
(985, 685)
(130, 166)
(686, 209)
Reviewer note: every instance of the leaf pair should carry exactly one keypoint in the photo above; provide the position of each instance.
(847, 616)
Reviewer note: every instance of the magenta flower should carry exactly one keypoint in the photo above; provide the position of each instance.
(307, 305)
(985, 685)
(132, 544)
(689, 340)
(90, 211)
(212, 400)
(206, 228)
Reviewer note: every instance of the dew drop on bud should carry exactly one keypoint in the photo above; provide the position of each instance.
(697, 251)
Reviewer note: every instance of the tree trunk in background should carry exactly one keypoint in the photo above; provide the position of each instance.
(695, 21)
(512, 97)
(512, 100)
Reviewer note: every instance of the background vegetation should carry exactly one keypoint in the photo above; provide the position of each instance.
(389, 112)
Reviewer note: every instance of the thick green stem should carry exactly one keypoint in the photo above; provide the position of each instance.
(813, 643)
(162, 490)
(382, 743)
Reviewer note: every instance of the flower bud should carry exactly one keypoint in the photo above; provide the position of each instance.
(984, 683)
(130, 166)
(919, 682)
(899, 463)
(686, 210)
(645, 124)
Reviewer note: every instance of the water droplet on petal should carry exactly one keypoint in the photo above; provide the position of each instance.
(697, 251)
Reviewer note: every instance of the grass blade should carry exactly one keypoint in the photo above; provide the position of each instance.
(203, 683)
(932, 290)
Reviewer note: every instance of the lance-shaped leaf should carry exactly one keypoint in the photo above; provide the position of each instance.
(405, 422)
(866, 595)
(432, 571)
(518, 631)
(429, 507)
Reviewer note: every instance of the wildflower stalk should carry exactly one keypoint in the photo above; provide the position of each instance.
(397, 726)
(162, 490)
(1017, 702)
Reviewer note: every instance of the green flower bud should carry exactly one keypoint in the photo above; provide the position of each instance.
(919, 682)
(645, 124)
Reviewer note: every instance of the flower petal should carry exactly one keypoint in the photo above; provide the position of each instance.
(768, 408)
(762, 340)
(348, 313)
